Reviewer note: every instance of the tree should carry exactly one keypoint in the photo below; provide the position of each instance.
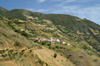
(1, 17)
(17, 44)
(55, 55)
(24, 33)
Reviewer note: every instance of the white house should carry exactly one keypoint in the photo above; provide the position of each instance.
(22, 29)
(51, 39)
(68, 43)
(63, 42)
(57, 40)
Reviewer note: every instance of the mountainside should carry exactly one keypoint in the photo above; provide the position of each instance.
(3, 11)
(47, 39)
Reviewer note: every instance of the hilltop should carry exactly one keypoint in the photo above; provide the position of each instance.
(19, 28)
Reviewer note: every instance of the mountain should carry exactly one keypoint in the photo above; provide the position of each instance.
(24, 39)
(3, 11)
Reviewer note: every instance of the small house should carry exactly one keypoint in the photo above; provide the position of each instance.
(62, 42)
(22, 29)
(57, 40)
(68, 43)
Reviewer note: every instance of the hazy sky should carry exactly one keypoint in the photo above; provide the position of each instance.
(89, 9)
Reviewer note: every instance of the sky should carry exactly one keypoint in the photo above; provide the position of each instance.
(88, 9)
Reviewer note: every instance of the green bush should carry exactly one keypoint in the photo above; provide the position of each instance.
(17, 44)
(41, 62)
(30, 51)
(69, 56)
(95, 60)
(10, 51)
(23, 51)
(81, 56)
(1, 17)
(49, 44)
(24, 33)
(55, 55)
(17, 30)
(2, 51)
(4, 55)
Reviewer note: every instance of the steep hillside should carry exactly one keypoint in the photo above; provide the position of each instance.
(32, 31)
(3, 11)
(79, 29)
(16, 49)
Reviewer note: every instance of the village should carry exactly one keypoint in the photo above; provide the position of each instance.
(51, 40)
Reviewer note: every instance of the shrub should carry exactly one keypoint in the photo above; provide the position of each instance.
(61, 55)
(25, 56)
(69, 56)
(46, 64)
(2, 51)
(57, 47)
(95, 60)
(81, 56)
(41, 62)
(50, 47)
(32, 55)
(17, 44)
(24, 33)
(16, 53)
(23, 51)
(10, 51)
(30, 51)
(1, 17)
(43, 42)
(49, 44)
(55, 55)
(17, 30)
(4, 55)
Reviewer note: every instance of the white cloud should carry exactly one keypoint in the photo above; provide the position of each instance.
(30, 9)
(39, 10)
(41, 1)
(67, 1)
(63, 2)
(91, 12)
(55, 0)
(42, 10)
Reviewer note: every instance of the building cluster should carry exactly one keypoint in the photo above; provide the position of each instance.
(49, 40)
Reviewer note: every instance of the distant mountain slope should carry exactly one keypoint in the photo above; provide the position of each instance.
(3, 11)
(19, 13)
(72, 22)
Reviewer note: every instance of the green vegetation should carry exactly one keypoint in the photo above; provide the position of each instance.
(1, 17)
(2, 51)
(95, 60)
(81, 56)
(69, 56)
(55, 55)
(17, 44)
(24, 33)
